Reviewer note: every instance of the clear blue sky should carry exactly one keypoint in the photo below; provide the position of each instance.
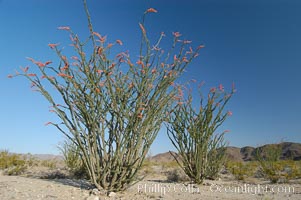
(254, 43)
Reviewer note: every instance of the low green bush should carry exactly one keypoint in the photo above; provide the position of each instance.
(12, 164)
(289, 170)
(274, 169)
(268, 158)
(31, 161)
(177, 175)
(241, 170)
(51, 164)
(73, 160)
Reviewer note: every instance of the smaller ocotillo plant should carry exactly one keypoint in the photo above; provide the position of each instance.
(193, 133)
(72, 159)
(274, 169)
(216, 160)
(269, 161)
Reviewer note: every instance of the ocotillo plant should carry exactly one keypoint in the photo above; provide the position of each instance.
(193, 133)
(111, 107)
(268, 158)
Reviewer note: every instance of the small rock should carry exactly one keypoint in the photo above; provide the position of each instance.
(207, 184)
(50, 186)
(112, 194)
(95, 191)
(92, 198)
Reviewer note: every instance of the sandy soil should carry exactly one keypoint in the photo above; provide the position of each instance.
(154, 187)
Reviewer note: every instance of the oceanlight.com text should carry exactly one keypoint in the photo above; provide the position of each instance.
(252, 189)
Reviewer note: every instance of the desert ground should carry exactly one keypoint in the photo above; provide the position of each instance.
(154, 186)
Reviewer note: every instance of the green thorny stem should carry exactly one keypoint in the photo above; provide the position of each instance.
(192, 133)
(109, 106)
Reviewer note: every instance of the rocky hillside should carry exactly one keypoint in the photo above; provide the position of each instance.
(163, 157)
(290, 150)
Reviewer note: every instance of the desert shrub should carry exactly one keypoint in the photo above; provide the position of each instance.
(298, 173)
(72, 159)
(147, 167)
(147, 170)
(4, 159)
(12, 164)
(54, 175)
(268, 158)
(169, 164)
(241, 170)
(111, 106)
(31, 161)
(273, 168)
(290, 170)
(177, 175)
(193, 133)
(216, 161)
(51, 164)
(16, 170)
(280, 170)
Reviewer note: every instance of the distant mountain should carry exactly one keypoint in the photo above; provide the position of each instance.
(163, 157)
(240, 154)
(39, 156)
(48, 157)
(290, 150)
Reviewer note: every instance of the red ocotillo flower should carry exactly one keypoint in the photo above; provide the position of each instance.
(24, 69)
(74, 58)
(52, 46)
(140, 116)
(64, 75)
(66, 28)
(48, 62)
(180, 103)
(200, 47)
(119, 42)
(221, 87)
(151, 10)
(46, 124)
(97, 34)
(229, 113)
(40, 64)
(176, 34)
